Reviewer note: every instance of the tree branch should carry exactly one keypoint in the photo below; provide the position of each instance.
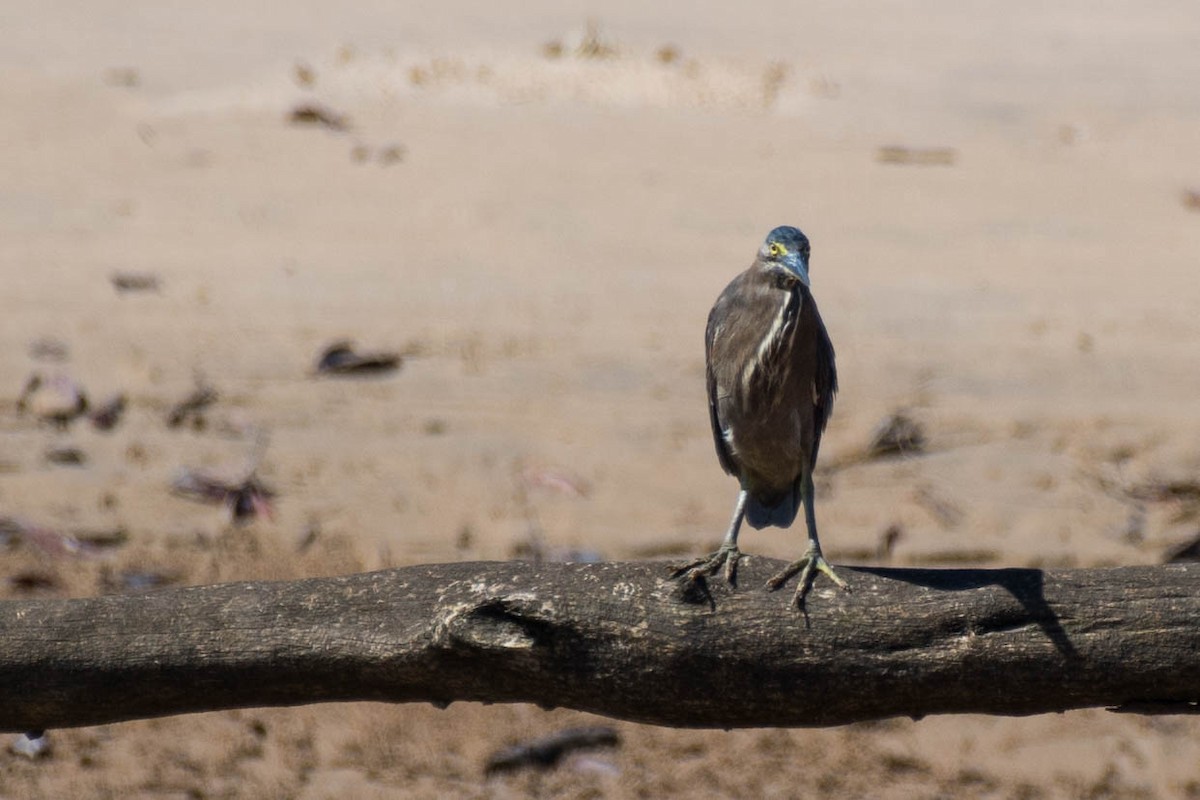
(616, 639)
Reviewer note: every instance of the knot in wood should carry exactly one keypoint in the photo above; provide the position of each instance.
(495, 623)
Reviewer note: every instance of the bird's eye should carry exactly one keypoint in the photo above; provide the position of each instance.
(777, 249)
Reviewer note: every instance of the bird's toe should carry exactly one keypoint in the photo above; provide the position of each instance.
(705, 566)
(808, 567)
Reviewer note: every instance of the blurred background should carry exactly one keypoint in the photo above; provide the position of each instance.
(509, 225)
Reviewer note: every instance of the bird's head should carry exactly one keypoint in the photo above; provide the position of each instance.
(784, 255)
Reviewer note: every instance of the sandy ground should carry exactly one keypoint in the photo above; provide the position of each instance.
(539, 219)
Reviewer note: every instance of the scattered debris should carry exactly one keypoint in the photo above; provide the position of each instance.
(35, 744)
(250, 499)
(1183, 493)
(245, 498)
(108, 414)
(101, 538)
(465, 538)
(947, 514)
(316, 114)
(66, 455)
(898, 434)
(1183, 490)
(928, 156)
(135, 282)
(888, 540)
(547, 751)
(58, 400)
(48, 541)
(191, 409)
(33, 581)
(304, 75)
(667, 54)
(50, 349)
(339, 358)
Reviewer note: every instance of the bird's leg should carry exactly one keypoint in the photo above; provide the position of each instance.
(727, 554)
(813, 561)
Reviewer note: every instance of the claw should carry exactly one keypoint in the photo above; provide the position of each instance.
(726, 557)
(731, 563)
(808, 567)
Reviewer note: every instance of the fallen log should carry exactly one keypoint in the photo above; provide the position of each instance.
(617, 639)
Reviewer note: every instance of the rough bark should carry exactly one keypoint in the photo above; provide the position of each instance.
(617, 639)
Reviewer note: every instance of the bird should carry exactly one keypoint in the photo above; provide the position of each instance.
(771, 380)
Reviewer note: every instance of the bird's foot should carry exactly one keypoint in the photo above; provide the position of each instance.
(728, 557)
(808, 567)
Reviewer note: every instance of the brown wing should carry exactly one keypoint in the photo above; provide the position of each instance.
(718, 313)
(824, 382)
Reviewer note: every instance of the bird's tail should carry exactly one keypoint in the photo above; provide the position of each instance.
(781, 513)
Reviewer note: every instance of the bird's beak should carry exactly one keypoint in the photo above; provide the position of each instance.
(798, 266)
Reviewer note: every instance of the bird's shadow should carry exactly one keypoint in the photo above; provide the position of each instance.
(1026, 585)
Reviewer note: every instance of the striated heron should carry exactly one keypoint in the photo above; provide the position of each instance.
(771, 381)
